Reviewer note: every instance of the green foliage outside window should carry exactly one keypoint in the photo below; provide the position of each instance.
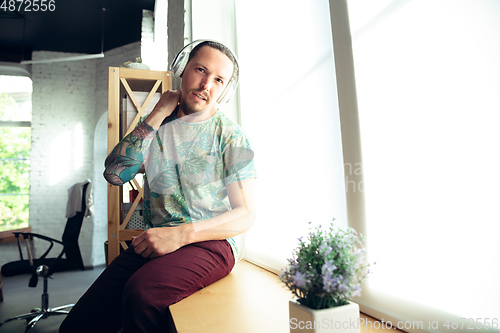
(15, 146)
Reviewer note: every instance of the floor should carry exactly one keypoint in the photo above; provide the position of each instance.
(65, 288)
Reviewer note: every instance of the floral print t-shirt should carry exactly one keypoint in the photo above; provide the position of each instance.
(189, 165)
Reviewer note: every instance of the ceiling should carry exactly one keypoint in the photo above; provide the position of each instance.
(75, 26)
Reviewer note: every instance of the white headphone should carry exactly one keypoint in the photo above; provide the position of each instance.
(182, 58)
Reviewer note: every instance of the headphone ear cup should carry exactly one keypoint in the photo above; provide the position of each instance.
(179, 63)
(182, 58)
(228, 93)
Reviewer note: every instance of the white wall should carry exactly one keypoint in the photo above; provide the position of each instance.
(61, 149)
(100, 234)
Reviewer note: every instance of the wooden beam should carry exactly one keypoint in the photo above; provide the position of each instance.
(114, 207)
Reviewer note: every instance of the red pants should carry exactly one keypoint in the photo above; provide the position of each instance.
(135, 293)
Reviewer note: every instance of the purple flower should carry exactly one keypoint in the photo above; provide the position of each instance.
(327, 249)
(328, 267)
(342, 283)
(292, 262)
(329, 283)
(300, 280)
(356, 290)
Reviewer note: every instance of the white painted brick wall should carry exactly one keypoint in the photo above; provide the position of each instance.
(62, 143)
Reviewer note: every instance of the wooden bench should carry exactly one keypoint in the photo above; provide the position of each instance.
(249, 300)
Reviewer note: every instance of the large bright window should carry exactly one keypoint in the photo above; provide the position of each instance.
(289, 108)
(15, 146)
(416, 167)
(428, 85)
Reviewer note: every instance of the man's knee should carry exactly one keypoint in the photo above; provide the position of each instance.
(147, 295)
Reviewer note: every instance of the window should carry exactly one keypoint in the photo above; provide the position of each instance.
(427, 80)
(15, 146)
(289, 107)
(426, 193)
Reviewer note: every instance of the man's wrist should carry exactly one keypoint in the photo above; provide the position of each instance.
(155, 119)
(187, 234)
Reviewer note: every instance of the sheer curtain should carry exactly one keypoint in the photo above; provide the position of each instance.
(428, 85)
(289, 108)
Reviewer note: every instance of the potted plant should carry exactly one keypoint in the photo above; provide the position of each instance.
(325, 272)
(137, 64)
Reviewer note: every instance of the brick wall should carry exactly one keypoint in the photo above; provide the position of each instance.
(61, 146)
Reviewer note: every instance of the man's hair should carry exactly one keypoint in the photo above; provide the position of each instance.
(222, 48)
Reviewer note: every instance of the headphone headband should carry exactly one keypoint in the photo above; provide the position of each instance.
(182, 58)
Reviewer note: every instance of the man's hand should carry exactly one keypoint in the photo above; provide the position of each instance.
(164, 108)
(157, 242)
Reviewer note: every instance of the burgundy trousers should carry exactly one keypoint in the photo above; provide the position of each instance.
(135, 293)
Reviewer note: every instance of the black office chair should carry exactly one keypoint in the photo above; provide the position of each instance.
(44, 267)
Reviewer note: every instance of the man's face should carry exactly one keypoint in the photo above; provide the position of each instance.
(204, 79)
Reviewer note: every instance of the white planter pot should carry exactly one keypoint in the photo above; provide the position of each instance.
(341, 319)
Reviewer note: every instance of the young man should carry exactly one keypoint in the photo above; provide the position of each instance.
(198, 195)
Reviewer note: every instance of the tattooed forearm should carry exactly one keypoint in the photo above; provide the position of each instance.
(125, 160)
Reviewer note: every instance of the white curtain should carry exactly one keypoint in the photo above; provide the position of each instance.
(428, 85)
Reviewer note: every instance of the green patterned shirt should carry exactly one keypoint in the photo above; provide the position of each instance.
(188, 167)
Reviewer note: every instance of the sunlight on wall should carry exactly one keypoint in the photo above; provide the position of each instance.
(60, 158)
(66, 154)
(100, 190)
(77, 151)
